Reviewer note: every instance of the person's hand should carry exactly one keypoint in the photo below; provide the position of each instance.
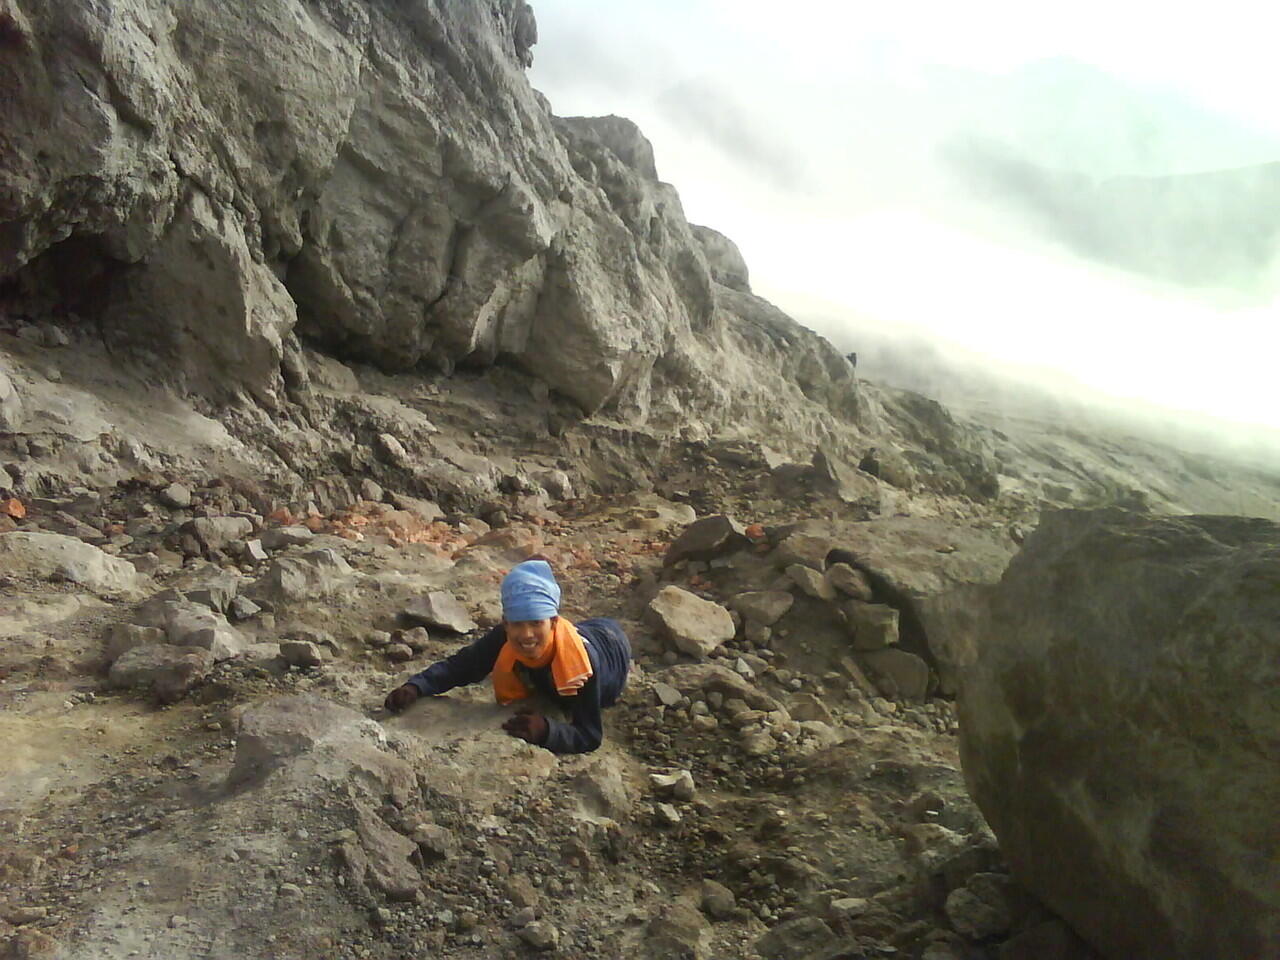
(528, 726)
(401, 697)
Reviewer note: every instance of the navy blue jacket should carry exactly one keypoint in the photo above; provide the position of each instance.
(610, 654)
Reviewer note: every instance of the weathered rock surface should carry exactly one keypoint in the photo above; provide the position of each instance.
(1120, 729)
(51, 556)
(269, 734)
(934, 573)
(692, 625)
(313, 574)
(386, 180)
(167, 670)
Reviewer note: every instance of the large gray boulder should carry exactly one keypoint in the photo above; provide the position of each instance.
(1120, 730)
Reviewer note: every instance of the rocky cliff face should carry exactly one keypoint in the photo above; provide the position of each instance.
(209, 182)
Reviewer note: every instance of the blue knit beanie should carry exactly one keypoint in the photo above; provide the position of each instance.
(530, 592)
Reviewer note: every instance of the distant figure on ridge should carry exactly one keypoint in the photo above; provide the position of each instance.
(852, 358)
(582, 668)
(869, 463)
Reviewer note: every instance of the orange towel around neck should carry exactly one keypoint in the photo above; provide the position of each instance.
(567, 654)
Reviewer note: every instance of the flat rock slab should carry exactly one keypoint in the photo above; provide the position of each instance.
(438, 609)
(51, 556)
(272, 732)
(277, 538)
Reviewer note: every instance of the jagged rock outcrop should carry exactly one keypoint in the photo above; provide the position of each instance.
(206, 183)
(1120, 728)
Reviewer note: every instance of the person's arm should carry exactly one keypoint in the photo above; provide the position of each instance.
(469, 665)
(585, 731)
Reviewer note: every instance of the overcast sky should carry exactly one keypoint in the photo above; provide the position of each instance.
(814, 134)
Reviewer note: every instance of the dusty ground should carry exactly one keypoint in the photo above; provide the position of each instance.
(126, 839)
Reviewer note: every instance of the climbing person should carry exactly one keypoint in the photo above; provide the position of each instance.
(580, 667)
(870, 463)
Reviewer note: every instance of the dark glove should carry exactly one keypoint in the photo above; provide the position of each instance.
(530, 727)
(401, 697)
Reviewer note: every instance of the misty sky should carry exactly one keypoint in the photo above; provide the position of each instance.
(816, 135)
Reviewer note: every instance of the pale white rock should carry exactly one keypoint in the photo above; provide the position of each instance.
(52, 556)
(692, 625)
(763, 606)
(811, 582)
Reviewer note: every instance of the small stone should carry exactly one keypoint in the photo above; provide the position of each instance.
(847, 908)
(811, 582)
(54, 336)
(416, 639)
(540, 935)
(763, 606)
(176, 496)
(399, 652)
(668, 815)
(850, 581)
(718, 901)
(522, 917)
(679, 784)
(278, 538)
(758, 743)
(301, 653)
(377, 638)
(289, 891)
(252, 551)
(369, 490)
(435, 842)
(242, 608)
(522, 893)
(873, 626)
(667, 695)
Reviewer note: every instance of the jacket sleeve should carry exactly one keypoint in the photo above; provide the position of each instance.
(469, 665)
(585, 731)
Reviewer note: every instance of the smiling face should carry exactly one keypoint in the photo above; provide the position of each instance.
(530, 637)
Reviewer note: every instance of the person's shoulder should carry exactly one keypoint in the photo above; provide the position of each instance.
(597, 625)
